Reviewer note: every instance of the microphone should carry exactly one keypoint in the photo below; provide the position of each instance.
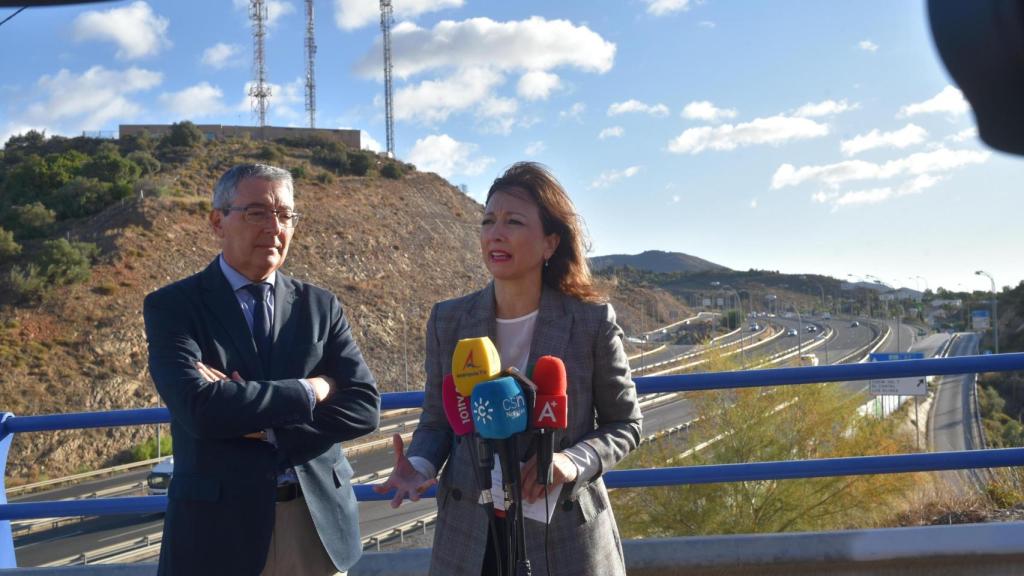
(456, 408)
(550, 411)
(499, 409)
(474, 361)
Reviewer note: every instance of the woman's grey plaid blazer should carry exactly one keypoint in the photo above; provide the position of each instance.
(604, 425)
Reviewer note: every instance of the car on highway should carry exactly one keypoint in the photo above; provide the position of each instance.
(791, 332)
(854, 324)
(755, 327)
(808, 360)
(159, 478)
(812, 328)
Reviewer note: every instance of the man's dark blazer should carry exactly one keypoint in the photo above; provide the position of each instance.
(220, 511)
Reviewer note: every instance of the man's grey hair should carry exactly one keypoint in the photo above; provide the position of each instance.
(227, 187)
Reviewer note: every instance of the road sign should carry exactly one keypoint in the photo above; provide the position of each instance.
(911, 386)
(979, 319)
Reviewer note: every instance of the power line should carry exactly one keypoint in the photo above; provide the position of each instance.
(13, 15)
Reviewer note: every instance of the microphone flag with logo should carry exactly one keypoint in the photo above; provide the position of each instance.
(550, 411)
(474, 361)
(456, 407)
(499, 409)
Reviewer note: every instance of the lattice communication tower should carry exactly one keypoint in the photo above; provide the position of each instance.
(310, 63)
(259, 91)
(389, 117)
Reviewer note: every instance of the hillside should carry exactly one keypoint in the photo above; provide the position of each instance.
(389, 248)
(656, 261)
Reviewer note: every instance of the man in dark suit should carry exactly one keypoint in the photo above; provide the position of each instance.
(261, 484)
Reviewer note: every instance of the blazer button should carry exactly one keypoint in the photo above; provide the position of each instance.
(564, 443)
(456, 493)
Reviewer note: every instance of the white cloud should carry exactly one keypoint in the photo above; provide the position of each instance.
(824, 108)
(432, 101)
(931, 162)
(275, 9)
(537, 85)
(193, 102)
(949, 101)
(753, 203)
(99, 96)
(574, 112)
(662, 7)
(497, 115)
(611, 132)
(867, 46)
(967, 134)
(907, 136)
(632, 105)
(609, 177)
(352, 14)
(876, 195)
(676, 199)
(774, 130)
(367, 142)
(706, 111)
(136, 29)
(535, 148)
(222, 55)
(535, 44)
(447, 157)
(707, 24)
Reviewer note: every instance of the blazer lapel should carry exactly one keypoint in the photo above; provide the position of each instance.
(284, 324)
(479, 318)
(220, 300)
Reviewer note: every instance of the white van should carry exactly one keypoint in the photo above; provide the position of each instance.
(160, 477)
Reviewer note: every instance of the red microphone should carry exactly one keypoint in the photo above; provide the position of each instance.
(550, 411)
(456, 408)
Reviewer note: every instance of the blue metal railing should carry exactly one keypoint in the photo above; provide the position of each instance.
(615, 478)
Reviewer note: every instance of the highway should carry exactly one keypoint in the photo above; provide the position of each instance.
(952, 425)
(72, 539)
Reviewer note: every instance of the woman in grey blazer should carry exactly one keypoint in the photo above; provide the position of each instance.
(541, 302)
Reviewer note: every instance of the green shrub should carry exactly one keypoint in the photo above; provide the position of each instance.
(325, 178)
(358, 163)
(271, 153)
(333, 157)
(31, 220)
(184, 135)
(147, 164)
(86, 196)
(28, 284)
(107, 165)
(147, 449)
(64, 262)
(8, 247)
(298, 172)
(392, 171)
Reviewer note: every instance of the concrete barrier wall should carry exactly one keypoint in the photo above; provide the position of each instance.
(995, 549)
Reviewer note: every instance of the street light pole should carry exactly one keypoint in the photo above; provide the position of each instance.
(739, 303)
(995, 314)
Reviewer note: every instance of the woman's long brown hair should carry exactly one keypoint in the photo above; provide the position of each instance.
(567, 270)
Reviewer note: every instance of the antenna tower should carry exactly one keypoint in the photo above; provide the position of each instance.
(259, 91)
(389, 117)
(310, 71)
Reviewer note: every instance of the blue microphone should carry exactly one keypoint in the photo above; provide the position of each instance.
(499, 409)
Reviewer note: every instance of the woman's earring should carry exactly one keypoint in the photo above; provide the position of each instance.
(546, 260)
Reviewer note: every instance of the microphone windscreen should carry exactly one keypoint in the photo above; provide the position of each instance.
(474, 360)
(549, 376)
(499, 409)
(456, 407)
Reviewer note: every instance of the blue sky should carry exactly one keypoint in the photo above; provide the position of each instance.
(800, 136)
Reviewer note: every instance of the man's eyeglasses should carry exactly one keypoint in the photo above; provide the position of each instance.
(262, 215)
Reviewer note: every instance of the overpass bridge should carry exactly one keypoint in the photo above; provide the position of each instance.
(975, 549)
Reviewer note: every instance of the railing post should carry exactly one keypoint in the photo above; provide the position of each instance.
(7, 559)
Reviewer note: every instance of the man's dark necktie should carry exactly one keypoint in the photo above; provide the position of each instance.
(261, 323)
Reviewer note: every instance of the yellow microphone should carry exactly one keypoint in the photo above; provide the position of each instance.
(475, 360)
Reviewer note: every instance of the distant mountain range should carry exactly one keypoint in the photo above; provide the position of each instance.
(656, 261)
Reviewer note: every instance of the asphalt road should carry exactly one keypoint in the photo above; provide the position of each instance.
(951, 424)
